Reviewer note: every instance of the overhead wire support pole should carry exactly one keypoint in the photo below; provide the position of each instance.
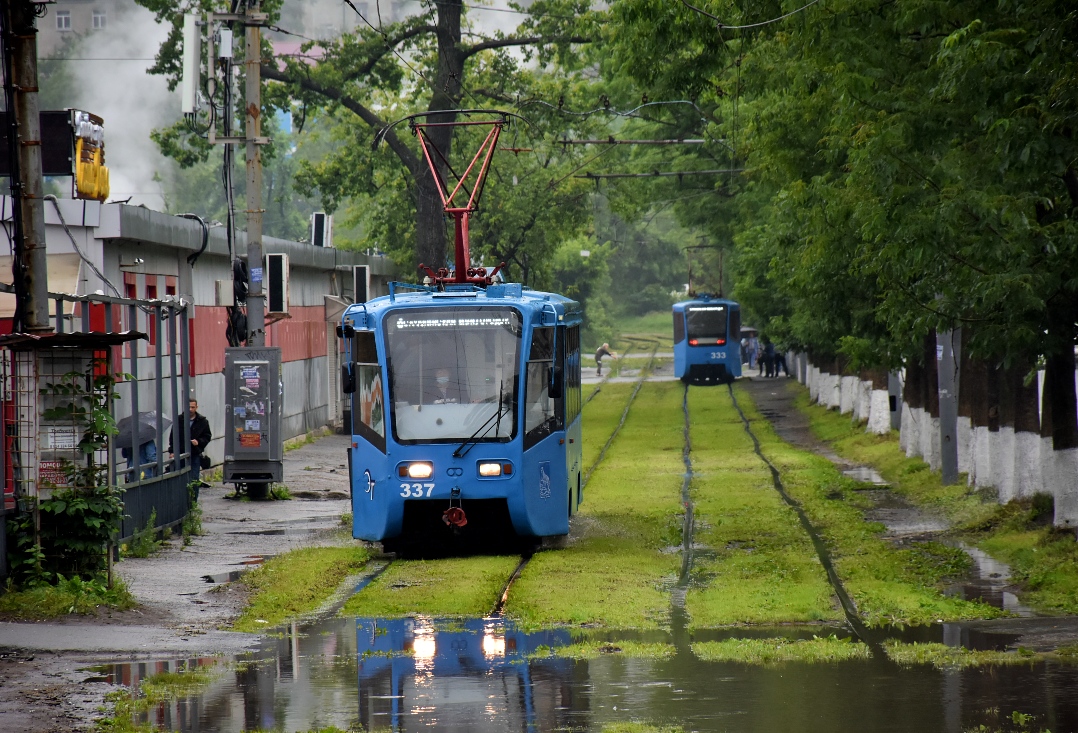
(27, 183)
(256, 311)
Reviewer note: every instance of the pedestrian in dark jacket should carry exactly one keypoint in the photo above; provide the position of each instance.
(602, 351)
(196, 431)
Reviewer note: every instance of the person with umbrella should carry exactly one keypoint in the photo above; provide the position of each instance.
(143, 433)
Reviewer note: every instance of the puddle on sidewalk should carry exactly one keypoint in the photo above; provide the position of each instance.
(482, 675)
(990, 582)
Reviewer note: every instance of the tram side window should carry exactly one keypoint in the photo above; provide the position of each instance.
(679, 326)
(542, 413)
(368, 402)
(572, 374)
(735, 324)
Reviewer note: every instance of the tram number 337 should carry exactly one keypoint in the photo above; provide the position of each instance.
(718, 355)
(418, 491)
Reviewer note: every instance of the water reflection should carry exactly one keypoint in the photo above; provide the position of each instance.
(485, 675)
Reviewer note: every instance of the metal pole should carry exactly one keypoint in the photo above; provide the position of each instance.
(948, 389)
(22, 45)
(256, 317)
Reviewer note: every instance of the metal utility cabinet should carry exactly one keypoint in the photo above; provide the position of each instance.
(254, 450)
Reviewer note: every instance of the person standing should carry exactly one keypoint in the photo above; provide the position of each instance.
(199, 435)
(602, 351)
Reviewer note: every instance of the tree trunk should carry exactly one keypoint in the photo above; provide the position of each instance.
(930, 425)
(912, 408)
(1064, 462)
(975, 385)
(1028, 477)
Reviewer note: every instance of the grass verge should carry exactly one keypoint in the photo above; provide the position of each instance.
(596, 649)
(762, 567)
(615, 573)
(1043, 561)
(889, 585)
(296, 583)
(942, 656)
(777, 651)
(70, 595)
(447, 587)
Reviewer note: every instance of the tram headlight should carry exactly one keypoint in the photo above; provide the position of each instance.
(490, 469)
(416, 469)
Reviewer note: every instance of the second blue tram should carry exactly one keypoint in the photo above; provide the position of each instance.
(707, 340)
(465, 414)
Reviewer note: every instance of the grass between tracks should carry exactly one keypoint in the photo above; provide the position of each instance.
(618, 569)
(296, 583)
(447, 587)
(760, 566)
(778, 651)
(889, 585)
(1043, 560)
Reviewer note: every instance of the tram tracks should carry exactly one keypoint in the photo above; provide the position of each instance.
(849, 608)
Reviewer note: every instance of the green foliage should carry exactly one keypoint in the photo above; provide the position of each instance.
(279, 492)
(145, 541)
(779, 651)
(942, 656)
(192, 521)
(67, 595)
(78, 521)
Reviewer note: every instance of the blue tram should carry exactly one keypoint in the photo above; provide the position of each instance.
(707, 340)
(465, 414)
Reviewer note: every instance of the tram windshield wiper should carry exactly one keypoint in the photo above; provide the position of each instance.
(495, 419)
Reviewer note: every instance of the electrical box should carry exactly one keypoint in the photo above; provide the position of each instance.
(361, 283)
(254, 400)
(276, 283)
(321, 229)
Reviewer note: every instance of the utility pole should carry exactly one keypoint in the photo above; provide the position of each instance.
(256, 301)
(31, 279)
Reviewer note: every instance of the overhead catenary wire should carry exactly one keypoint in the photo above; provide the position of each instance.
(83, 257)
(724, 26)
(652, 174)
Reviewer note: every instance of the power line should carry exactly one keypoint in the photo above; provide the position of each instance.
(611, 141)
(750, 25)
(652, 174)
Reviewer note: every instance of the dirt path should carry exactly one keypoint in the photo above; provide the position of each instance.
(43, 685)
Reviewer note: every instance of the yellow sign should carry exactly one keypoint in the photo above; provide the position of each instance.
(91, 175)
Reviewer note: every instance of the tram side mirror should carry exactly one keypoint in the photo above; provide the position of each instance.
(555, 383)
(348, 379)
(347, 331)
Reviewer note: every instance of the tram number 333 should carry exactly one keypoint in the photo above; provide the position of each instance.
(718, 355)
(417, 491)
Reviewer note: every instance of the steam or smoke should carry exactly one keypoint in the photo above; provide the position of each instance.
(105, 73)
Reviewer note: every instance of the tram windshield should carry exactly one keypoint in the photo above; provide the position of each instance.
(706, 323)
(453, 373)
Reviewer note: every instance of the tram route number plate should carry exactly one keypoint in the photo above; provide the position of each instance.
(718, 354)
(416, 491)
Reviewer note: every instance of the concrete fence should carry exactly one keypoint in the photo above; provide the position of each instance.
(1013, 459)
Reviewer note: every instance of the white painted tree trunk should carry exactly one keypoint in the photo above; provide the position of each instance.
(834, 392)
(1003, 464)
(1065, 487)
(980, 474)
(846, 394)
(963, 437)
(930, 441)
(1028, 479)
(879, 413)
(911, 419)
(813, 383)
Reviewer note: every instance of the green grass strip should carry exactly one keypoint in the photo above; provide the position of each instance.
(764, 568)
(615, 573)
(600, 418)
(296, 583)
(890, 585)
(597, 649)
(1043, 560)
(942, 656)
(778, 651)
(446, 587)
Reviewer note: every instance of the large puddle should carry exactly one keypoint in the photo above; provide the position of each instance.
(486, 675)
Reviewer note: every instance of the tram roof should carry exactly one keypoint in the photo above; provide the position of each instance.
(406, 295)
(704, 299)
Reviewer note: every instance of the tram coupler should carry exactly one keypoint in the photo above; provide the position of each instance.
(454, 516)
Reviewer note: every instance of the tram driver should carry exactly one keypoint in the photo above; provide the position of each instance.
(443, 390)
